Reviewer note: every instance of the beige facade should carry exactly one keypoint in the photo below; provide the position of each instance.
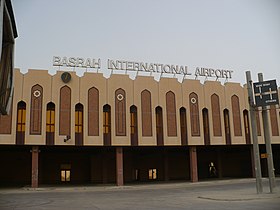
(91, 129)
(79, 87)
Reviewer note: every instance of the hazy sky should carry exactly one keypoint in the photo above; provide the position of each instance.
(238, 35)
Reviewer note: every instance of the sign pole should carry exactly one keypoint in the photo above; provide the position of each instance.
(254, 134)
(268, 143)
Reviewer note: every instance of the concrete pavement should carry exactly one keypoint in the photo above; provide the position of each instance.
(217, 194)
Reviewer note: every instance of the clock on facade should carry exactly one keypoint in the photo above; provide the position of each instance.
(65, 77)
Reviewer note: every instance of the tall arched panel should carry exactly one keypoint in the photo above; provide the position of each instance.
(146, 111)
(36, 110)
(93, 112)
(273, 121)
(194, 114)
(65, 111)
(171, 114)
(120, 112)
(216, 115)
(236, 115)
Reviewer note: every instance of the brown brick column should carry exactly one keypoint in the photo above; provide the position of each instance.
(34, 172)
(193, 164)
(119, 166)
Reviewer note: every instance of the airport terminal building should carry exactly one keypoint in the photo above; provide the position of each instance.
(63, 128)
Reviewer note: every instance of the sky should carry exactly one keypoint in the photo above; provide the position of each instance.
(237, 35)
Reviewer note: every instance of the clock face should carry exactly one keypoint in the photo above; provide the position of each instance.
(66, 77)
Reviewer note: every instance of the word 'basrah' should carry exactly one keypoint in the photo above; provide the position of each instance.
(76, 62)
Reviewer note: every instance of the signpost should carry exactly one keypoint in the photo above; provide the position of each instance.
(267, 95)
(257, 164)
(262, 94)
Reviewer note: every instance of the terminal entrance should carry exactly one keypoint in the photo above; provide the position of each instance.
(98, 165)
(224, 162)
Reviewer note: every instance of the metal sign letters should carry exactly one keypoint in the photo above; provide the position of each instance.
(90, 63)
(76, 62)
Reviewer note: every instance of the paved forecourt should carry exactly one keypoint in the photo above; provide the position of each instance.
(220, 194)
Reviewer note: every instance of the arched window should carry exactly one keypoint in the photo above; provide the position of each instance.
(171, 114)
(36, 110)
(227, 126)
(21, 120)
(93, 112)
(159, 126)
(194, 114)
(107, 125)
(133, 126)
(120, 112)
(247, 126)
(65, 111)
(183, 124)
(146, 111)
(50, 123)
(236, 115)
(79, 113)
(206, 129)
(216, 116)
(273, 121)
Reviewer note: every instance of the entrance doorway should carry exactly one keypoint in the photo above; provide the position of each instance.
(65, 173)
